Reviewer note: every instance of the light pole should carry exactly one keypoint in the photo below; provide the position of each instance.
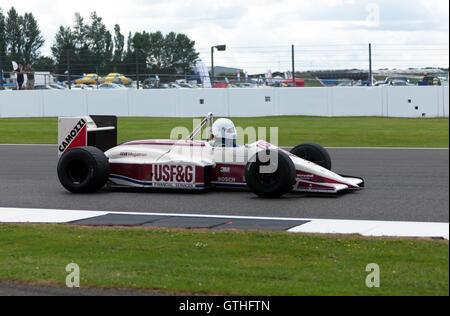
(370, 64)
(220, 48)
(293, 67)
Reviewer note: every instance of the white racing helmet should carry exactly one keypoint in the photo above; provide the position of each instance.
(224, 133)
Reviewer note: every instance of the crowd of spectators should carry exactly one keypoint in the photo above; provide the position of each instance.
(20, 73)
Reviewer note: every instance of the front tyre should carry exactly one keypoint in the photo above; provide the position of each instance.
(83, 170)
(313, 153)
(270, 174)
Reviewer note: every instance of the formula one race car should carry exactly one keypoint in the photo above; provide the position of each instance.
(90, 159)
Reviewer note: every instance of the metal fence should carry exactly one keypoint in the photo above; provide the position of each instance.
(316, 65)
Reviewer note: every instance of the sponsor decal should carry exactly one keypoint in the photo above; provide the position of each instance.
(226, 179)
(174, 185)
(158, 176)
(305, 186)
(127, 154)
(72, 135)
(306, 176)
(228, 174)
(173, 174)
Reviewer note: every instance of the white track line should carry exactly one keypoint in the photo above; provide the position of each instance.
(320, 226)
(17, 215)
(375, 228)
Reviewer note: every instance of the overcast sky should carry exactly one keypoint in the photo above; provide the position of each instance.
(259, 33)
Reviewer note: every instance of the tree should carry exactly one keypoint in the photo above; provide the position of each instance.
(21, 39)
(119, 44)
(33, 41)
(173, 53)
(3, 57)
(170, 54)
(138, 50)
(90, 44)
(44, 63)
(100, 43)
(63, 48)
(157, 42)
(180, 52)
(81, 56)
(129, 56)
(80, 31)
(13, 36)
(92, 48)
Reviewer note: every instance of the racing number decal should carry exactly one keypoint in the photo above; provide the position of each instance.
(173, 174)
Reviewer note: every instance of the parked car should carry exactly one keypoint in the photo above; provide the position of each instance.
(77, 87)
(88, 79)
(90, 87)
(51, 86)
(115, 78)
(173, 85)
(186, 85)
(346, 83)
(389, 80)
(150, 83)
(430, 80)
(399, 83)
(111, 86)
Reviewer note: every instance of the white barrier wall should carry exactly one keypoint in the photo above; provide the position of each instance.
(444, 104)
(345, 101)
(364, 101)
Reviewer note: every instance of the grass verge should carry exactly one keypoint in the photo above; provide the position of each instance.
(340, 132)
(247, 263)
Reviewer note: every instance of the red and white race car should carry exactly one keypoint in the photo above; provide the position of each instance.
(90, 159)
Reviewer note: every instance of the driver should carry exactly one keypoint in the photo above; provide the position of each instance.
(224, 133)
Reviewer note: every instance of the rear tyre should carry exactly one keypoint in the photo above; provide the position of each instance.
(83, 170)
(270, 178)
(314, 153)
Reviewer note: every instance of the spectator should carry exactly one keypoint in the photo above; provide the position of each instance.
(20, 77)
(30, 78)
(2, 80)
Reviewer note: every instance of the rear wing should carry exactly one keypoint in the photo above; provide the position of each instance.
(96, 130)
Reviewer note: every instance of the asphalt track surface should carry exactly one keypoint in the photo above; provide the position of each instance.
(401, 185)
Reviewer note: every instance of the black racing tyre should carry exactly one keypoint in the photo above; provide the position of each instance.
(273, 184)
(314, 153)
(83, 170)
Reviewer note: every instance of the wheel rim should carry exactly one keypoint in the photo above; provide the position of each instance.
(268, 179)
(77, 171)
(304, 155)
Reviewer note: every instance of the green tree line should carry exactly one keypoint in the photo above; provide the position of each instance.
(89, 47)
(20, 38)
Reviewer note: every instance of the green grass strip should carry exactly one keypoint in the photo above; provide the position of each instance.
(292, 130)
(248, 263)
